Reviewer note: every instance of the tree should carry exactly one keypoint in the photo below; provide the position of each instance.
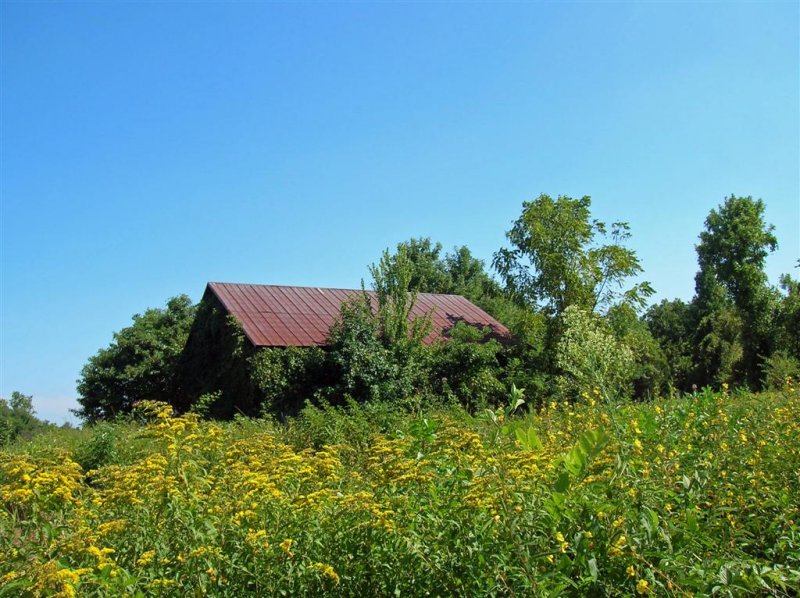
(139, 364)
(18, 418)
(731, 254)
(457, 272)
(392, 280)
(557, 258)
(364, 365)
(468, 277)
(672, 324)
(426, 269)
(467, 367)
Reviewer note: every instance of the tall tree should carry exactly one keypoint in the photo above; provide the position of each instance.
(139, 364)
(558, 258)
(731, 254)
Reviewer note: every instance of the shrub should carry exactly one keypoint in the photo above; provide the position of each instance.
(589, 356)
(780, 369)
(466, 367)
(285, 378)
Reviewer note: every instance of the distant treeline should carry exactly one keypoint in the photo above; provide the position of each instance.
(18, 419)
(562, 285)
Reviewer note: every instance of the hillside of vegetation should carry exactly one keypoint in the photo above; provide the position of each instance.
(696, 495)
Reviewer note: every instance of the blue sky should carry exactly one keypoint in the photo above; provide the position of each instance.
(148, 148)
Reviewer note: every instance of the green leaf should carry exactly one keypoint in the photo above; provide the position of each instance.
(529, 440)
(562, 483)
(593, 568)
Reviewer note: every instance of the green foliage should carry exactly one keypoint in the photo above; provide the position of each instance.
(650, 370)
(780, 370)
(557, 258)
(734, 247)
(353, 424)
(589, 356)
(391, 282)
(421, 258)
(576, 462)
(18, 419)
(204, 405)
(468, 277)
(467, 367)
(366, 365)
(731, 254)
(720, 348)
(140, 363)
(455, 273)
(787, 326)
(672, 324)
(99, 450)
(285, 378)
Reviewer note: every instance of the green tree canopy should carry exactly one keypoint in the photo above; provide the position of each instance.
(734, 301)
(139, 364)
(734, 247)
(18, 418)
(650, 370)
(558, 258)
(429, 271)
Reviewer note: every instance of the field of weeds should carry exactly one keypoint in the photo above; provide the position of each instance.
(690, 496)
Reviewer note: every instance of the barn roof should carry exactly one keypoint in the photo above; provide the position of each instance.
(281, 316)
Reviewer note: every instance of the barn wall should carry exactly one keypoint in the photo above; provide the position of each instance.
(215, 359)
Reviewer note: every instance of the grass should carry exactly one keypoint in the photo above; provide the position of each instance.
(678, 497)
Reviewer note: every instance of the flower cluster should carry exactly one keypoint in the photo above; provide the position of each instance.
(619, 499)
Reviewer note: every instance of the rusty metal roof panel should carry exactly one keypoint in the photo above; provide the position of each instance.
(282, 316)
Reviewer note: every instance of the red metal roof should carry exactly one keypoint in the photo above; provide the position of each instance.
(279, 316)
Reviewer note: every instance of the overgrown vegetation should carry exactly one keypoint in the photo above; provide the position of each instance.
(675, 497)
(18, 419)
(568, 290)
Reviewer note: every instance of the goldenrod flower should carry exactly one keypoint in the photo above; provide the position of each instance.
(286, 547)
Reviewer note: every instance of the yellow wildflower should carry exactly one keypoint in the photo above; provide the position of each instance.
(326, 570)
(286, 547)
(563, 543)
(145, 558)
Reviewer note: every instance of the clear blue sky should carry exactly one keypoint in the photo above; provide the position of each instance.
(148, 148)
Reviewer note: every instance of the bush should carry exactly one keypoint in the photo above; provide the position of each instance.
(466, 367)
(285, 378)
(780, 369)
(353, 424)
(368, 367)
(590, 357)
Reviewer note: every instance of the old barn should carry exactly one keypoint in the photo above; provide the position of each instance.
(234, 321)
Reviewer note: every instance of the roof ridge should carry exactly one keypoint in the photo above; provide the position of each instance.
(300, 286)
